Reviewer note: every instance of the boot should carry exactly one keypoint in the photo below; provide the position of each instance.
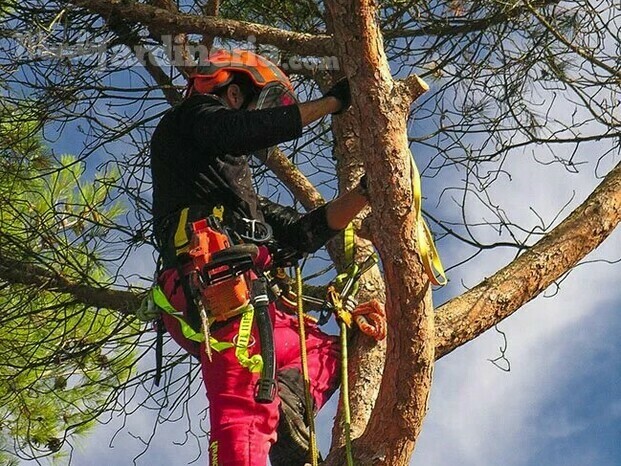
(292, 448)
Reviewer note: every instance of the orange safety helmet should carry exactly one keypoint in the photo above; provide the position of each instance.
(220, 66)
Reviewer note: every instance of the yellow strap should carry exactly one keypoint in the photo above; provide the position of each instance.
(429, 254)
(253, 363)
(349, 244)
(182, 242)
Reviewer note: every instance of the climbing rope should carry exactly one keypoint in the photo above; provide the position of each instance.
(305, 373)
(344, 319)
(345, 395)
(349, 252)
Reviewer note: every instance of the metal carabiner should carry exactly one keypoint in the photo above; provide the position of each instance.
(255, 231)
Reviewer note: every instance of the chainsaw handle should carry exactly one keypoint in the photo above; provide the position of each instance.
(234, 252)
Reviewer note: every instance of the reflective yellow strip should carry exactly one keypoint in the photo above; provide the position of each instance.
(429, 254)
(182, 243)
(255, 362)
(159, 298)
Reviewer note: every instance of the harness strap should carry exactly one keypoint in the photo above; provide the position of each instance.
(252, 363)
(429, 254)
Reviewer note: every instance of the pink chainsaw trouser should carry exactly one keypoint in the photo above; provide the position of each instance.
(242, 430)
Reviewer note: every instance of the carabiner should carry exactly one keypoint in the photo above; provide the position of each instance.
(255, 231)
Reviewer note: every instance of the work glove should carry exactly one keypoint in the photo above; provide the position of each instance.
(341, 91)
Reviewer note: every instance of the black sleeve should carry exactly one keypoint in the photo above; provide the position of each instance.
(216, 128)
(305, 233)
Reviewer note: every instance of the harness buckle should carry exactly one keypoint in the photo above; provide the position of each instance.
(255, 230)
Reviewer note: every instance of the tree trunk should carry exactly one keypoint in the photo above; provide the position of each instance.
(397, 416)
(366, 357)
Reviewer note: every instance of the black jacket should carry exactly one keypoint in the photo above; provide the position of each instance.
(199, 158)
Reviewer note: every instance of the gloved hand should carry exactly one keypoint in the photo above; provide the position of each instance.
(341, 92)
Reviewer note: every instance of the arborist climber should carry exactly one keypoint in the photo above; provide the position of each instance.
(239, 104)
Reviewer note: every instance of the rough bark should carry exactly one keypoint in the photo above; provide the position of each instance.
(164, 20)
(210, 8)
(397, 416)
(366, 357)
(467, 316)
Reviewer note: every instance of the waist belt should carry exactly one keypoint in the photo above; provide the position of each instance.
(174, 233)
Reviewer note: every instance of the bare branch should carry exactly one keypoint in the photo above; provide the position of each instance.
(286, 171)
(582, 52)
(18, 272)
(467, 316)
(455, 28)
(164, 20)
(131, 39)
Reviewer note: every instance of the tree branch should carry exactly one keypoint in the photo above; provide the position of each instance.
(447, 28)
(19, 272)
(131, 39)
(580, 51)
(163, 20)
(286, 171)
(496, 298)
(179, 40)
(210, 8)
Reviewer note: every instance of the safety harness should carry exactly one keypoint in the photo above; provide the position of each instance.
(222, 282)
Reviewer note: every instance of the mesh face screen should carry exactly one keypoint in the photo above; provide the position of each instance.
(275, 94)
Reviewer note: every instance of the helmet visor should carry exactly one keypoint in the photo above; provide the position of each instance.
(275, 94)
